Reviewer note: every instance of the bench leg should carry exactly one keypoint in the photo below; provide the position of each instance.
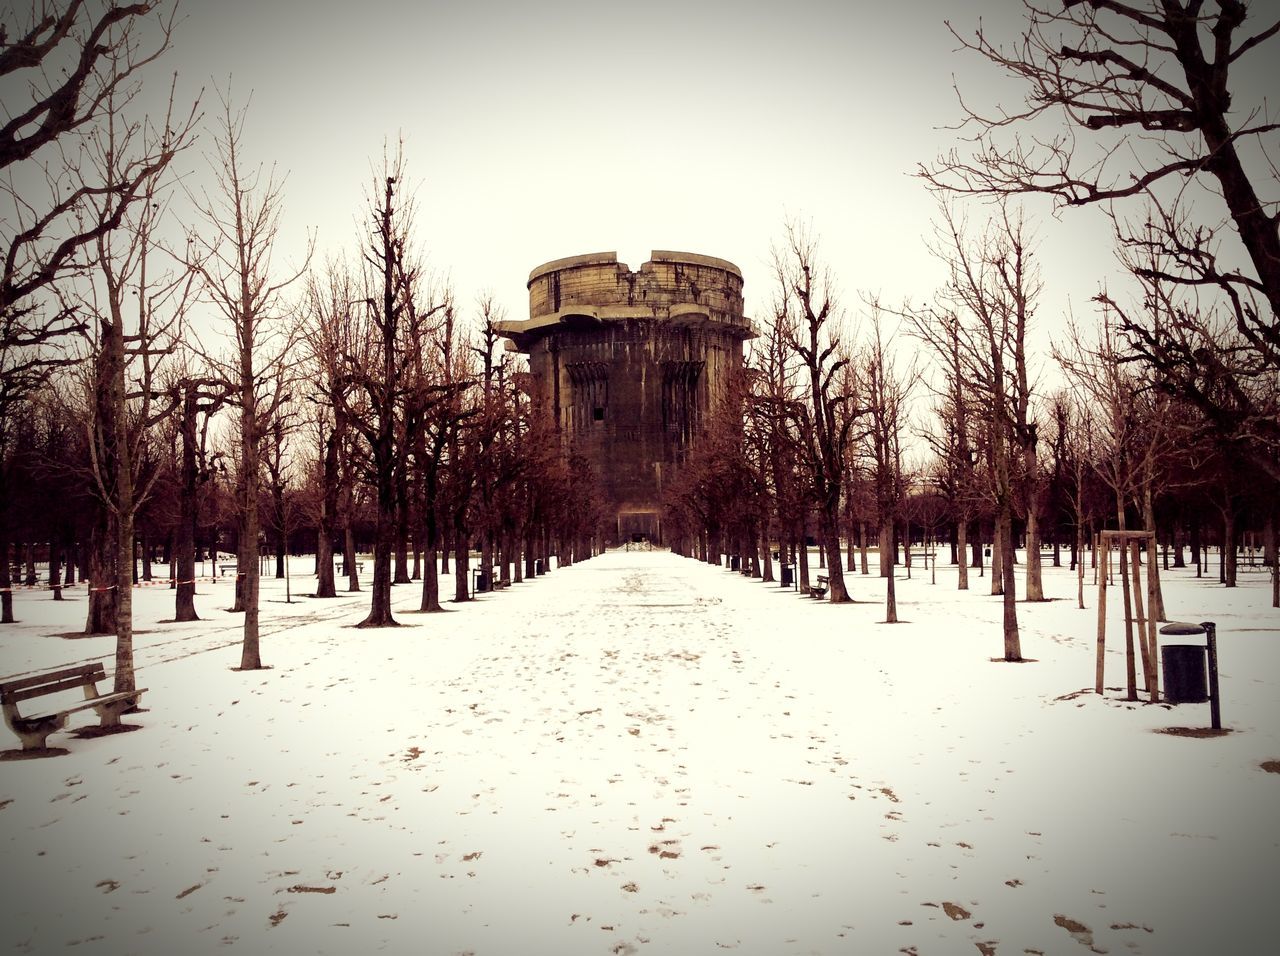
(109, 714)
(35, 733)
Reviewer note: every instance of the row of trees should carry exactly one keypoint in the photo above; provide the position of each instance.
(321, 394)
(359, 379)
(1170, 417)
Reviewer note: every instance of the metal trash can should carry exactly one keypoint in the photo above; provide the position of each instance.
(1185, 665)
(1186, 679)
(787, 570)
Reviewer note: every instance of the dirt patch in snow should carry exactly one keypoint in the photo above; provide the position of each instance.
(35, 754)
(1079, 932)
(1199, 732)
(88, 733)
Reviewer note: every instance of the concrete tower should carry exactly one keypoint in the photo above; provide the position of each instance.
(629, 364)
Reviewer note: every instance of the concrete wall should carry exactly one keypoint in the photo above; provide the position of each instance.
(599, 281)
(630, 363)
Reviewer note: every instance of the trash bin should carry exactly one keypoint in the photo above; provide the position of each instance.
(786, 575)
(1185, 675)
(482, 582)
(735, 562)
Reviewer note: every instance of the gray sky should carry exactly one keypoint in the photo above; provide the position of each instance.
(535, 131)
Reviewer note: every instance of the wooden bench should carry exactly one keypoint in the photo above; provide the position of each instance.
(342, 568)
(225, 569)
(819, 590)
(34, 730)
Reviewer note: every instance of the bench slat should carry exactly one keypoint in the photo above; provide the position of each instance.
(26, 687)
(92, 702)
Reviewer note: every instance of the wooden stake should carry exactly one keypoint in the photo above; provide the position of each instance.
(1153, 584)
(1130, 663)
(1101, 558)
(1139, 612)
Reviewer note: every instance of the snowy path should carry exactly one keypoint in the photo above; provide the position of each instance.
(644, 754)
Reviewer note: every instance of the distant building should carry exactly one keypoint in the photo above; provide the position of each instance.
(629, 364)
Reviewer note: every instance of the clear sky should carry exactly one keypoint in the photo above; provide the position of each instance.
(541, 130)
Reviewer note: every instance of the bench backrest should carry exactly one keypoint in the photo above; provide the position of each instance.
(24, 688)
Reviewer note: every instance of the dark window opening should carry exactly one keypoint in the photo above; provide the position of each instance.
(598, 414)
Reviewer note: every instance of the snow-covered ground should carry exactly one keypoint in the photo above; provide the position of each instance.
(639, 754)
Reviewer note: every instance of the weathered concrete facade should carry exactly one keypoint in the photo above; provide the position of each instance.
(629, 363)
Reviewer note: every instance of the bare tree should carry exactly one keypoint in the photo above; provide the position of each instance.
(1075, 426)
(954, 444)
(125, 365)
(195, 399)
(393, 290)
(990, 289)
(886, 391)
(233, 256)
(1134, 434)
(331, 339)
(771, 415)
(1138, 107)
(806, 307)
(68, 68)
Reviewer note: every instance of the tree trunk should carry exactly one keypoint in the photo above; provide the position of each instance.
(958, 556)
(116, 468)
(277, 501)
(386, 525)
(1078, 564)
(430, 562)
(1149, 520)
(1031, 495)
(891, 594)
(185, 558)
(997, 556)
(486, 561)
(325, 584)
(55, 576)
(101, 613)
(69, 553)
(383, 546)
(349, 558)
(802, 560)
(402, 527)
(6, 582)
(124, 679)
(461, 558)
(1229, 546)
(1272, 557)
(766, 546)
(837, 591)
(247, 574)
(1012, 642)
